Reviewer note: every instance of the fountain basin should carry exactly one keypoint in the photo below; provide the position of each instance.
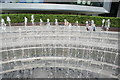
(28, 48)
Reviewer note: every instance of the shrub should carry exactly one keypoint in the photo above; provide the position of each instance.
(19, 18)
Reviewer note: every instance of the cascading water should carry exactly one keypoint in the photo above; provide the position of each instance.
(58, 52)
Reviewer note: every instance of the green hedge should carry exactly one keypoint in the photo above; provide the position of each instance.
(19, 18)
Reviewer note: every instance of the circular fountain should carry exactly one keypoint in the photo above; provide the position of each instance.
(58, 52)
